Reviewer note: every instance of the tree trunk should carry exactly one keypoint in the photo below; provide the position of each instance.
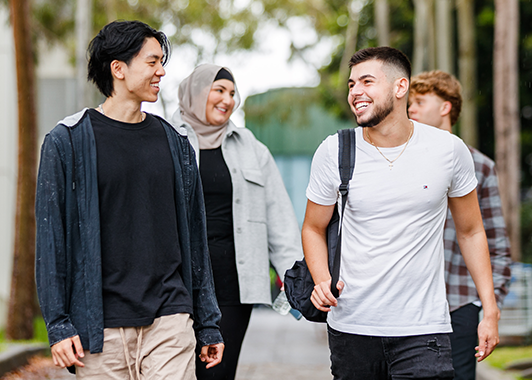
(22, 299)
(506, 115)
(351, 36)
(444, 36)
(382, 21)
(110, 10)
(424, 50)
(467, 71)
(83, 33)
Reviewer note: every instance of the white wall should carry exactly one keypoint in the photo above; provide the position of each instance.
(8, 158)
(56, 88)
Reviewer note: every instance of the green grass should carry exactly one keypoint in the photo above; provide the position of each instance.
(39, 331)
(502, 356)
(505, 355)
(39, 334)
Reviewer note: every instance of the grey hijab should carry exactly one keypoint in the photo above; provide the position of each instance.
(193, 94)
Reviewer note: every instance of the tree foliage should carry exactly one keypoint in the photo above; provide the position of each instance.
(214, 27)
(221, 26)
(209, 26)
(333, 87)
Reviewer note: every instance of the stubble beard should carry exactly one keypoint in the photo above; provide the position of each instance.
(380, 113)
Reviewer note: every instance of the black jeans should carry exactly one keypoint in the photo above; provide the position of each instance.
(359, 357)
(464, 339)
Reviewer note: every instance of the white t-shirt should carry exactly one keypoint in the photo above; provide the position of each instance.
(392, 245)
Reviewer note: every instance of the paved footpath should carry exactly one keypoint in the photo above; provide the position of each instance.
(276, 347)
(282, 348)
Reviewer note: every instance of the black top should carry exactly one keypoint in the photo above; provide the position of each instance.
(218, 192)
(141, 258)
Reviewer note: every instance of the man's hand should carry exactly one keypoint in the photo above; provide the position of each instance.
(66, 352)
(212, 354)
(322, 298)
(488, 337)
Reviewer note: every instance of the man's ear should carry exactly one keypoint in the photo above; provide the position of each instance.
(401, 88)
(117, 69)
(445, 108)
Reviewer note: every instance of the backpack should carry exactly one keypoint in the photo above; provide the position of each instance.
(298, 282)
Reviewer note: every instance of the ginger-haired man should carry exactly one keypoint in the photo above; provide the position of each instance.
(435, 100)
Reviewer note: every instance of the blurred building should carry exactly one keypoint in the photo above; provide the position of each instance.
(56, 98)
(292, 122)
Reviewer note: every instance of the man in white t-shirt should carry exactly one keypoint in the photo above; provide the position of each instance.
(392, 318)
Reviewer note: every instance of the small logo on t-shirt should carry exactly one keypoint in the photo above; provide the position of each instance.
(425, 187)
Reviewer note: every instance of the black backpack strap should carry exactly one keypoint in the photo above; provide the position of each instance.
(346, 158)
(346, 166)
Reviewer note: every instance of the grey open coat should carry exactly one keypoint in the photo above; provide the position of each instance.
(68, 257)
(264, 223)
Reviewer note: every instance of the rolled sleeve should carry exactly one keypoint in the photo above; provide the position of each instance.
(324, 177)
(464, 180)
(495, 227)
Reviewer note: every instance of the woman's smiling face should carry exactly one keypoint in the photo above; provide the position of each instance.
(220, 102)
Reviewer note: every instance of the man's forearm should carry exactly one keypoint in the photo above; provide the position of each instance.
(476, 256)
(316, 255)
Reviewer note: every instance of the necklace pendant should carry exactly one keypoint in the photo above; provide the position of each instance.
(390, 165)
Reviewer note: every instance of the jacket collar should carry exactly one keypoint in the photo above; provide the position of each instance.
(177, 122)
(72, 120)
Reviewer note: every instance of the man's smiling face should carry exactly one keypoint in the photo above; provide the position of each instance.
(370, 93)
(144, 72)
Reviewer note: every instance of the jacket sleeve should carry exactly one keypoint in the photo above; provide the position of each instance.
(284, 236)
(207, 315)
(51, 251)
(498, 242)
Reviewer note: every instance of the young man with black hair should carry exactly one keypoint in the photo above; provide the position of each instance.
(391, 319)
(123, 271)
(435, 99)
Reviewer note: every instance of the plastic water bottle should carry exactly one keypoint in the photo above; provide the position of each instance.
(281, 304)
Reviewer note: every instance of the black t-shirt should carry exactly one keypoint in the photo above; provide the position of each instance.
(218, 193)
(141, 258)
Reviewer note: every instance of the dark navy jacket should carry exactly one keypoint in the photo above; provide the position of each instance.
(68, 258)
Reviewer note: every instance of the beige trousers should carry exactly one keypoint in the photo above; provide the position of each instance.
(163, 350)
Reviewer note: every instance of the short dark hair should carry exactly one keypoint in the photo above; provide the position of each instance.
(387, 55)
(122, 41)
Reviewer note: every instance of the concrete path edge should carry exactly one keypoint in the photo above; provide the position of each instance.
(17, 355)
(487, 372)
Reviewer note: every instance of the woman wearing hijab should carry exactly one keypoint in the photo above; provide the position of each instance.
(250, 219)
